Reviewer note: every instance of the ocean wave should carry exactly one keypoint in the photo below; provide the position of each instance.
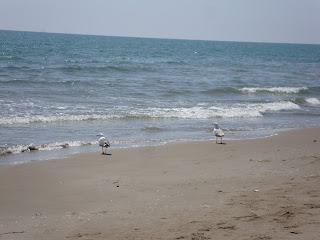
(306, 101)
(313, 101)
(49, 146)
(273, 89)
(226, 90)
(72, 144)
(53, 119)
(198, 112)
(237, 111)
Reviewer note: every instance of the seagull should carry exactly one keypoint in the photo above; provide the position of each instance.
(104, 143)
(217, 132)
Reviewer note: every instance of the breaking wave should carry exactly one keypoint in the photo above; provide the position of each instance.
(273, 89)
(73, 144)
(313, 101)
(306, 101)
(50, 146)
(53, 119)
(199, 112)
(239, 111)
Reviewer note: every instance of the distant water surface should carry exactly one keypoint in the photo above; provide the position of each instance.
(58, 89)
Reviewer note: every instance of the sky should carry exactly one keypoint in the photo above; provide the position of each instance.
(287, 21)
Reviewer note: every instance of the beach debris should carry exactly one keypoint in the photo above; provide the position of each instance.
(288, 214)
(33, 148)
(65, 145)
(314, 140)
(265, 160)
(256, 190)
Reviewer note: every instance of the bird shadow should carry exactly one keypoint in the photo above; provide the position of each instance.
(107, 154)
(222, 143)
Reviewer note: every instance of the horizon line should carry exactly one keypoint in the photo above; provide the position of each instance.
(164, 38)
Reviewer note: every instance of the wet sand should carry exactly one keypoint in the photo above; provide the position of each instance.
(244, 189)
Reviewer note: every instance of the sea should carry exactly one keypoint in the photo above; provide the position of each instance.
(59, 91)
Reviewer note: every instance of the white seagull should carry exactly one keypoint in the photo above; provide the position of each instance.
(217, 132)
(104, 143)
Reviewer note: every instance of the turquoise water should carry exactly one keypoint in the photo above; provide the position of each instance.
(59, 88)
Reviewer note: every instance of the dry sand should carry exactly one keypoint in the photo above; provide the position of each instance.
(251, 189)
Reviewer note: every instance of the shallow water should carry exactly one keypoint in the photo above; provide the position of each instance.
(59, 88)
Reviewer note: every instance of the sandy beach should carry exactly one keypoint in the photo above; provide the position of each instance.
(243, 189)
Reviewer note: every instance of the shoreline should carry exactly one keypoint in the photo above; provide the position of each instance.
(266, 188)
(39, 154)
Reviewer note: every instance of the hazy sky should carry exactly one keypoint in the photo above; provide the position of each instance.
(294, 21)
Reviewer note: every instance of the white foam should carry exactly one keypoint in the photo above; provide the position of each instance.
(255, 110)
(275, 106)
(52, 119)
(198, 112)
(238, 111)
(49, 146)
(273, 89)
(57, 145)
(313, 101)
(61, 108)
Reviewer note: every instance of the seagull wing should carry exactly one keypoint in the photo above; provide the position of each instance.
(218, 132)
(106, 143)
(102, 141)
